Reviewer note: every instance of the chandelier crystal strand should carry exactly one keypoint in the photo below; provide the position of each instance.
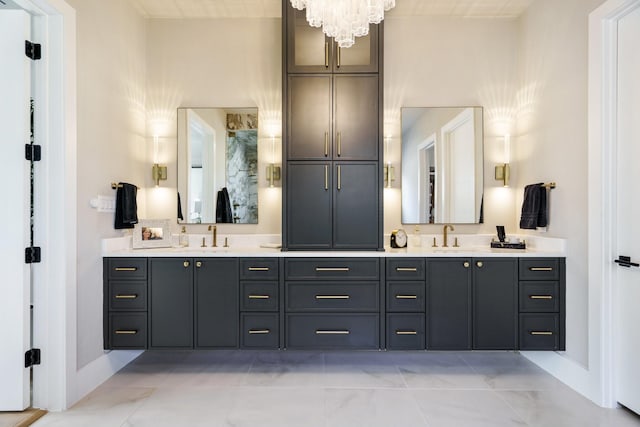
(344, 20)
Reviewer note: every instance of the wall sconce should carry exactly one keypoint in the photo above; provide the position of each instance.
(389, 175)
(158, 172)
(503, 171)
(274, 173)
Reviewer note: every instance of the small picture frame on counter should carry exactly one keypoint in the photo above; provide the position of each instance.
(152, 233)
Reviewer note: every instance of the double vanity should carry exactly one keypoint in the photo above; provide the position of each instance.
(454, 299)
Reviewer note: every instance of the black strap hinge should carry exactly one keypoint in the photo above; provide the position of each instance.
(32, 255)
(33, 152)
(33, 50)
(32, 357)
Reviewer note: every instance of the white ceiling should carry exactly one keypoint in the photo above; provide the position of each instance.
(272, 8)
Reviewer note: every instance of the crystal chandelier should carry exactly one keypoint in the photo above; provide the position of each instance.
(344, 20)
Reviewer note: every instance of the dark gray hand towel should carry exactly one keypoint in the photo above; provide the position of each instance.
(534, 207)
(180, 216)
(126, 206)
(223, 207)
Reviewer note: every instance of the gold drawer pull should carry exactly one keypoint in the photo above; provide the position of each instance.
(259, 297)
(541, 268)
(541, 333)
(259, 331)
(406, 296)
(321, 332)
(258, 268)
(121, 296)
(126, 269)
(126, 332)
(332, 268)
(540, 297)
(332, 297)
(406, 332)
(407, 269)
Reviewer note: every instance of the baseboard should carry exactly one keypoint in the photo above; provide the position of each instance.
(95, 373)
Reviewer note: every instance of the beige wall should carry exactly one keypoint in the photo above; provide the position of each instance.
(111, 75)
(551, 142)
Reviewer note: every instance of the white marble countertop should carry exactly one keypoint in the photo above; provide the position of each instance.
(471, 247)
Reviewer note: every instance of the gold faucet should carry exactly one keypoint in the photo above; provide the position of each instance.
(214, 236)
(444, 231)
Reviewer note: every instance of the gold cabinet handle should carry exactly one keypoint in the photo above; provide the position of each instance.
(259, 296)
(338, 56)
(326, 144)
(407, 269)
(126, 296)
(259, 331)
(326, 55)
(325, 332)
(125, 332)
(339, 144)
(258, 268)
(541, 268)
(126, 268)
(466, 264)
(540, 297)
(479, 264)
(186, 264)
(332, 268)
(198, 264)
(326, 177)
(406, 296)
(406, 332)
(339, 178)
(541, 333)
(333, 297)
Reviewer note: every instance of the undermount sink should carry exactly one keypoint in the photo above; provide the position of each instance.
(206, 249)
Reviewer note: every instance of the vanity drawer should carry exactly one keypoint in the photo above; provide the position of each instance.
(128, 295)
(536, 296)
(405, 296)
(127, 268)
(333, 331)
(539, 269)
(259, 296)
(259, 330)
(259, 268)
(539, 332)
(405, 331)
(332, 296)
(128, 330)
(332, 268)
(405, 269)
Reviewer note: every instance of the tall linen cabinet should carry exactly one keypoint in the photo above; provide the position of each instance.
(332, 139)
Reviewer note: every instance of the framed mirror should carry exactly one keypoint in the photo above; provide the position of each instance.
(218, 165)
(442, 165)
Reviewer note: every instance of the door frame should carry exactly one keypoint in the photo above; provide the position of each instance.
(602, 223)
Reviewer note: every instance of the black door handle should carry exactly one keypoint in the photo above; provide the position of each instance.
(625, 261)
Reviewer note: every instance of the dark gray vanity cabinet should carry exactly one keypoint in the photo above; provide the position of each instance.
(216, 302)
(125, 303)
(542, 303)
(495, 302)
(309, 51)
(449, 302)
(405, 303)
(259, 303)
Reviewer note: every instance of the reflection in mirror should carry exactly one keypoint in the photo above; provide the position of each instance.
(218, 165)
(442, 165)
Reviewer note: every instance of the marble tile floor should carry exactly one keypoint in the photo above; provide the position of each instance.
(335, 389)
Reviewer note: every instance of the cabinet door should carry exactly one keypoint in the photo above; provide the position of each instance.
(309, 118)
(217, 293)
(356, 206)
(449, 304)
(308, 50)
(308, 205)
(495, 302)
(171, 303)
(361, 57)
(356, 117)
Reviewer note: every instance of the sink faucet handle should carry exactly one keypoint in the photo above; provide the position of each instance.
(435, 245)
(455, 243)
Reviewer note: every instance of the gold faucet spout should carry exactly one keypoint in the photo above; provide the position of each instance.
(444, 232)
(214, 236)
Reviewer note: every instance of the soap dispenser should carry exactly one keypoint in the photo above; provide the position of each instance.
(416, 239)
(184, 238)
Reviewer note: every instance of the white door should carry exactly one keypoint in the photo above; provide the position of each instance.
(15, 83)
(627, 341)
